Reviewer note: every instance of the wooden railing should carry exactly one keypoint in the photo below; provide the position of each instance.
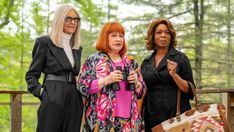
(16, 108)
(16, 105)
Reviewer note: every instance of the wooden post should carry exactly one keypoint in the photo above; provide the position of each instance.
(230, 109)
(16, 112)
(225, 102)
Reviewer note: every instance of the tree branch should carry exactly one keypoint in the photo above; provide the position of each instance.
(181, 13)
(6, 19)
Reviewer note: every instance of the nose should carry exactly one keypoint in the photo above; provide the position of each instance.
(164, 34)
(117, 38)
(73, 21)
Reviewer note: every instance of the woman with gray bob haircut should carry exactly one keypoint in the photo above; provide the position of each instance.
(58, 56)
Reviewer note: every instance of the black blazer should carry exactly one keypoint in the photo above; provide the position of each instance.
(48, 58)
(161, 96)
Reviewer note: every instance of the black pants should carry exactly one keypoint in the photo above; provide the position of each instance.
(61, 108)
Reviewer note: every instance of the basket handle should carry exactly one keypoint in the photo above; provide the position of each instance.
(178, 112)
(194, 93)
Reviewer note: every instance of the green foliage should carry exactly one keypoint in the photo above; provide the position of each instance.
(29, 118)
(29, 114)
(4, 114)
(12, 66)
(4, 118)
(39, 18)
(30, 20)
(9, 12)
(88, 44)
(90, 11)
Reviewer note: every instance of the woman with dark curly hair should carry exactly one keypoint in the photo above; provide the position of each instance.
(165, 71)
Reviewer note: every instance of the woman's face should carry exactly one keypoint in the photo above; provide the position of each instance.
(71, 22)
(116, 40)
(162, 36)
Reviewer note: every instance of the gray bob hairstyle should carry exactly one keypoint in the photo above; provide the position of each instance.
(57, 27)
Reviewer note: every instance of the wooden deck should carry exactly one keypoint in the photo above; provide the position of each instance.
(16, 104)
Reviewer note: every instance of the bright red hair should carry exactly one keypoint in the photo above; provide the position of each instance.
(102, 41)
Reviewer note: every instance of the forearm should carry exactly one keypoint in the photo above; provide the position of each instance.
(98, 84)
(101, 82)
(181, 83)
(33, 84)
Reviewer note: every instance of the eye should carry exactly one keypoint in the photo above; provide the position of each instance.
(166, 32)
(70, 19)
(158, 32)
(121, 35)
(113, 35)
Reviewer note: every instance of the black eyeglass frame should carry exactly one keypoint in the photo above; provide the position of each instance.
(70, 19)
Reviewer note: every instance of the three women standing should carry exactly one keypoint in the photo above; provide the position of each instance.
(109, 80)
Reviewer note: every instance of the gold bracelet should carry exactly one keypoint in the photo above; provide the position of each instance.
(139, 84)
(104, 84)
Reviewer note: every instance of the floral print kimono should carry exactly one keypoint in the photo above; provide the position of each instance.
(100, 108)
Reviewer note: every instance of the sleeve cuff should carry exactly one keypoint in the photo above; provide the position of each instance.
(93, 87)
(42, 89)
(36, 92)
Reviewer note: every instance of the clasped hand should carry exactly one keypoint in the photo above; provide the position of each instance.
(117, 76)
(171, 66)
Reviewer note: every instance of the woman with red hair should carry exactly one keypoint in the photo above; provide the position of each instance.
(111, 85)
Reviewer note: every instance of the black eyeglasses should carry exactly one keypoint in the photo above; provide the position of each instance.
(70, 19)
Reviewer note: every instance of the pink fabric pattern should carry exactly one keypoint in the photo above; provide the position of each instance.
(101, 106)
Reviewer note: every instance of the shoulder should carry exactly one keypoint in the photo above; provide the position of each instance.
(42, 40)
(179, 55)
(96, 56)
(129, 57)
(147, 58)
(181, 58)
(182, 55)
